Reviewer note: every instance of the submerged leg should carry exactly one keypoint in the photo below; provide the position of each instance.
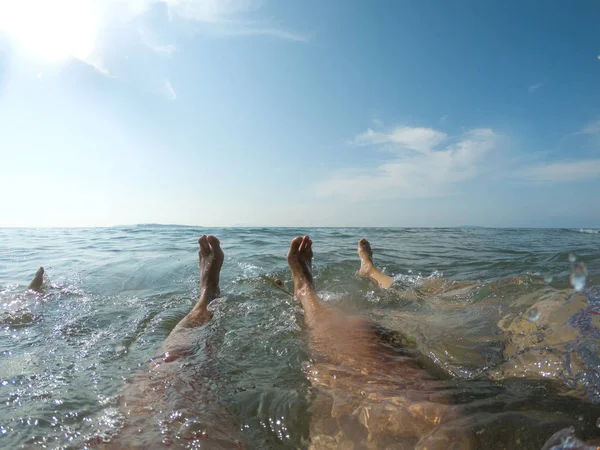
(38, 280)
(367, 269)
(178, 405)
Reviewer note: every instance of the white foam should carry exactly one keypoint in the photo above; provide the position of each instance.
(588, 231)
(416, 280)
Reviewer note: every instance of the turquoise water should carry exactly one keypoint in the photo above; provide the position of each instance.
(113, 295)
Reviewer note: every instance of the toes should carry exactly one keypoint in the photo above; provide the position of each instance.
(295, 245)
(365, 246)
(204, 246)
(215, 244)
(305, 244)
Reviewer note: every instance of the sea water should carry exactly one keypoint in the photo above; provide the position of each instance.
(517, 347)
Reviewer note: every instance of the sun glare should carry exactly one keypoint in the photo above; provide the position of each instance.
(51, 30)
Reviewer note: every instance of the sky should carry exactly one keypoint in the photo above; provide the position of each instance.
(299, 113)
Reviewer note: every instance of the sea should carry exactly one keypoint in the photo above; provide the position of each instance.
(508, 319)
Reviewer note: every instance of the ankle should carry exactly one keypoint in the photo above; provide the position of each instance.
(209, 293)
(301, 283)
(366, 268)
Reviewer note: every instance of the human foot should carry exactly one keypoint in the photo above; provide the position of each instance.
(367, 269)
(38, 280)
(365, 254)
(210, 259)
(299, 259)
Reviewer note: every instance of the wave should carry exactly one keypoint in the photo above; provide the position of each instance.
(586, 230)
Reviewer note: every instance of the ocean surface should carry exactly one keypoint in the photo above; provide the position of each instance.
(517, 348)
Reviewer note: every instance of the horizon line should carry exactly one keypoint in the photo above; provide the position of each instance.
(301, 226)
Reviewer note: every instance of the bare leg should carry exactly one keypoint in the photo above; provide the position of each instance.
(210, 258)
(361, 410)
(38, 280)
(182, 402)
(367, 269)
(300, 261)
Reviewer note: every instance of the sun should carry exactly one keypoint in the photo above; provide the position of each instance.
(51, 30)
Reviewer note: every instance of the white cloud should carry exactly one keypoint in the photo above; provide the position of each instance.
(535, 87)
(150, 40)
(221, 17)
(378, 122)
(209, 10)
(169, 91)
(564, 171)
(419, 139)
(249, 30)
(425, 173)
(590, 128)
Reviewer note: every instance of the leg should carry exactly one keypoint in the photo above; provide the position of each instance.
(181, 398)
(356, 409)
(38, 280)
(300, 261)
(210, 259)
(367, 269)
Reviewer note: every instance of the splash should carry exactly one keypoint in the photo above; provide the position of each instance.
(578, 277)
(414, 281)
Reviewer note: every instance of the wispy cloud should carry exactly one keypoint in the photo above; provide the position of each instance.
(590, 128)
(429, 169)
(249, 30)
(535, 87)
(227, 17)
(565, 171)
(209, 10)
(150, 40)
(418, 139)
(169, 91)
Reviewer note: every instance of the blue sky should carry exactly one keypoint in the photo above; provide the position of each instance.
(299, 113)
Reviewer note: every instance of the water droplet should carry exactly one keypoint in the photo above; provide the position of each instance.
(578, 277)
(548, 279)
(533, 314)
(572, 258)
(598, 422)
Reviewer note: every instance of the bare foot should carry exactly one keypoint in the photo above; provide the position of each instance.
(38, 280)
(368, 269)
(366, 258)
(299, 259)
(210, 259)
